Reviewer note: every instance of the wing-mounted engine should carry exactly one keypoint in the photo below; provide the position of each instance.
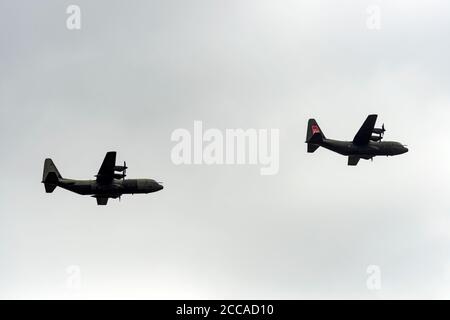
(376, 138)
(379, 132)
(122, 169)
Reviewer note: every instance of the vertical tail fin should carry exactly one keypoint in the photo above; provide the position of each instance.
(314, 135)
(51, 176)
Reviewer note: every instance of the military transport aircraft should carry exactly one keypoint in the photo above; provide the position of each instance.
(108, 183)
(365, 145)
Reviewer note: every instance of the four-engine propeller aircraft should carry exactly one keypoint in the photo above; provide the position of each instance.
(365, 145)
(108, 183)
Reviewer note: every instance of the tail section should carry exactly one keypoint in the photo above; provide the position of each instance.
(51, 176)
(314, 135)
(312, 147)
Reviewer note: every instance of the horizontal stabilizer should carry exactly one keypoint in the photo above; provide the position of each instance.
(49, 187)
(312, 147)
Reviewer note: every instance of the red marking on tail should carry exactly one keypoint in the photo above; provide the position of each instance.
(315, 129)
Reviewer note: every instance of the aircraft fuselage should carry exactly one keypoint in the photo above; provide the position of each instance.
(111, 189)
(368, 151)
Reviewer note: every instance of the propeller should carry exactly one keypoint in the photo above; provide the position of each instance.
(124, 173)
(379, 131)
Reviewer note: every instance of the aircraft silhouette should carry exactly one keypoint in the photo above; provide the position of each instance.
(108, 183)
(365, 145)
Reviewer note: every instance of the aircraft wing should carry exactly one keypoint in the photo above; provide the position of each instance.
(106, 171)
(365, 132)
(102, 201)
(353, 160)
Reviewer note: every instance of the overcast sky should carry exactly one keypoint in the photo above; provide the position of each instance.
(135, 72)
